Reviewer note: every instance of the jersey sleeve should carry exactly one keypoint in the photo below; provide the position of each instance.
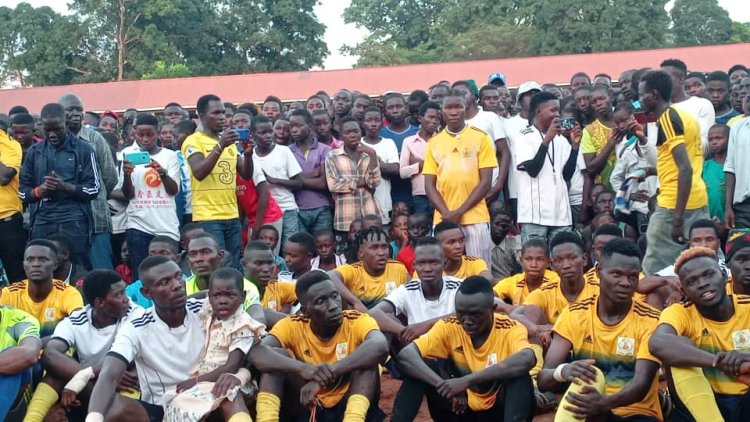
(252, 295)
(587, 142)
(284, 332)
(676, 316)
(363, 326)
(12, 156)
(497, 129)
(564, 325)
(191, 146)
(430, 165)
(64, 331)
(487, 157)
(72, 300)
(126, 344)
(671, 130)
(348, 275)
(643, 350)
(503, 289)
(397, 298)
(537, 298)
(288, 293)
(22, 325)
(434, 344)
(479, 266)
(518, 338)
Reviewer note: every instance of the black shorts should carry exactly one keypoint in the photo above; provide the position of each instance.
(155, 413)
(336, 413)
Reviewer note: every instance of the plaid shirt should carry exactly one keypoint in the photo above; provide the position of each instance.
(343, 175)
(107, 173)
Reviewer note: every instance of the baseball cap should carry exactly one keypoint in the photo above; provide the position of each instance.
(527, 86)
(497, 76)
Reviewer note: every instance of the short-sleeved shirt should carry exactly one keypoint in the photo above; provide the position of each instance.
(515, 289)
(448, 340)
(372, 289)
(308, 199)
(456, 161)
(551, 299)
(277, 294)
(62, 300)
(594, 137)
(676, 127)
(16, 325)
(280, 163)
(252, 295)
(387, 154)
(214, 197)
(90, 343)
(716, 187)
(470, 265)
(295, 335)
(10, 156)
(163, 355)
(247, 197)
(408, 300)
(614, 347)
(714, 336)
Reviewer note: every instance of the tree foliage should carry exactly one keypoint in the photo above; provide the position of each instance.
(740, 32)
(700, 22)
(103, 40)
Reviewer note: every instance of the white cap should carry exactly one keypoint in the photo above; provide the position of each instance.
(527, 86)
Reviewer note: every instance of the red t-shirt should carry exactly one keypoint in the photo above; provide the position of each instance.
(406, 257)
(247, 197)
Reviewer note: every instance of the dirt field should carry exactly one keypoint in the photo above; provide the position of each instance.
(389, 388)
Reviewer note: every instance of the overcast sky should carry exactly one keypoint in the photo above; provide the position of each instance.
(337, 33)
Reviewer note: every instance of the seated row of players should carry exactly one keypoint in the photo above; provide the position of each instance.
(471, 362)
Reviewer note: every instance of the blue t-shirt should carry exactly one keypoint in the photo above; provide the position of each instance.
(133, 291)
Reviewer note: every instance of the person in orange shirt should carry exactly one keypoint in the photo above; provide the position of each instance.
(330, 359)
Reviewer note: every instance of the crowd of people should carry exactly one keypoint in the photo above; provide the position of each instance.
(581, 249)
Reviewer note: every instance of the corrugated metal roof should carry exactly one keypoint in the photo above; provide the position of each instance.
(154, 94)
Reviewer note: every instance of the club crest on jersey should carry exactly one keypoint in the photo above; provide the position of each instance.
(389, 287)
(342, 351)
(741, 339)
(492, 359)
(625, 346)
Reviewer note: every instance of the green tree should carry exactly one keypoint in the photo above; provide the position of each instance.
(700, 22)
(161, 70)
(740, 32)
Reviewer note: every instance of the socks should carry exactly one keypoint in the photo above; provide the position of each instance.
(41, 402)
(241, 417)
(267, 407)
(599, 385)
(356, 408)
(696, 394)
(539, 353)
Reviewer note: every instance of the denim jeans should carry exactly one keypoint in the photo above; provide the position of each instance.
(101, 251)
(289, 226)
(138, 242)
(229, 234)
(316, 220)
(78, 234)
(531, 230)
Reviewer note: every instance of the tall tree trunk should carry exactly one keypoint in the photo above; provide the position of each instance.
(121, 42)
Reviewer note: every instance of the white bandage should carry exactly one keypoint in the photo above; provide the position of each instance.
(80, 380)
(95, 417)
(558, 376)
(243, 375)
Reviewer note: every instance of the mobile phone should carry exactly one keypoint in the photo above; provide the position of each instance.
(243, 134)
(567, 123)
(137, 158)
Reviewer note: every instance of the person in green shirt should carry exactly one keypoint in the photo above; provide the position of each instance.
(713, 170)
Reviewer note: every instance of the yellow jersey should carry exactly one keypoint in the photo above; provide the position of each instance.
(10, 155)
(551, 299)
(372, 289)
(16, 325)
(295, 335)
(456, 161)
(614, 347)
(61, 301)
(735, 119)
(515, 289)
(714, 337)
(278, 294)
(448, 340)
(677, 127)
(214, 197)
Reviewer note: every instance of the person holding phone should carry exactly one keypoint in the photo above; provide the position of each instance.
(150, 180)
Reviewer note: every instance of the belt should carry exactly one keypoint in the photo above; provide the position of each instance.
(11, 218)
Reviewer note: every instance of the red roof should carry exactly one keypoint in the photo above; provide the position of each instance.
(154, 94)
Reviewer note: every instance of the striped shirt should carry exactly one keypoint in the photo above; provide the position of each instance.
(343, 175)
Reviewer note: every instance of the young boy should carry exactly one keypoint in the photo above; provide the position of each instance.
(418, 226)
(325, 248)
(401, 207)
(298, 252)
(399, 233)
(512, 291)
(282, 172)
(713, 170)
(387, 154)
(270, 236)
(281, 132)
(507, 250)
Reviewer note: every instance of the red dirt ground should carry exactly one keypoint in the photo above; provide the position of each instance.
(389, 388)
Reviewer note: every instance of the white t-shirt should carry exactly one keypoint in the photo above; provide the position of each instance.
(703, 111)
(152, 210)
(387, 154)
(164, 356)
(575, 191)
(493, 125)
(91, 344)
(409, 300)
(280, 164)
(512, 128)
(543, 199)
